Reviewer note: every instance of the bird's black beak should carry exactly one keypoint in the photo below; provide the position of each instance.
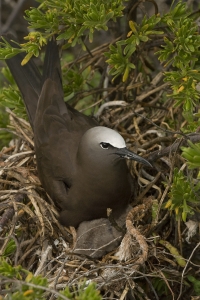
(125, 153)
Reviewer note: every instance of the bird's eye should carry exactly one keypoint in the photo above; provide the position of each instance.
(104, 145)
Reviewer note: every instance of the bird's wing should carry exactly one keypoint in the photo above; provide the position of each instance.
(57, 136)
(58, 129)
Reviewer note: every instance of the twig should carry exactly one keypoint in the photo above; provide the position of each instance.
(182, 275)
(149, 93)
(108, 104)
(43, 260)
(9, 213)
(193, 137)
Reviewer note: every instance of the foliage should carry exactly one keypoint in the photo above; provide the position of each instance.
(69, 20)
(10, 248)
(119, 57)
(181, 49)
(192, 154)
(183, 195)
(23, 285)
(21, 290)
(195, 283)
(179, 259)
(5, 136)
(85, 291)
(7, 51)
(11, 97)
(160, 285)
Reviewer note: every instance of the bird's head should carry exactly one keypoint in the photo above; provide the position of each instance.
(103, 144)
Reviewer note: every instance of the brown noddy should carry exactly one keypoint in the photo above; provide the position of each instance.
(81, 165)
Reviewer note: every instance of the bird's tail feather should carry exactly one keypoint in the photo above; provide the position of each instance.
(28, 79)
(52, 90)
(52, 67)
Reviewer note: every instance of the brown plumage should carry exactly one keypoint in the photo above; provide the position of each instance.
(81, 165)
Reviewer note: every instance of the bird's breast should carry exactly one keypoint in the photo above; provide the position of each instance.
(98, 190)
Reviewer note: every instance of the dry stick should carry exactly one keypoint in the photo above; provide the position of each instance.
(92, 60)
(53, 212)
(128, 115)
(38, 213)
(136, 127)
(164, 130)
(147, 94)
(18, 155)
(74, 236)
(23, 161)
(146, 182)
(43, 207)
(118, 121)
(12, 17)
(165, 280)
(111, 90)
(7, 238)
(108, 104)
(7, 216)
(156, 226)
(22, 121)
(157, 140)
(141, 292)
(167, 187)
(9, 213)
(19, 143)
(26, 209)
(30, 242)
(141, 196)
(22, 259)
(125, 291)
(75, 272)
(43, 260)
(158, 77)
(56, 266)
(163, 197)
(18, 128)
(8, 192)
(11, 131)
(194, 138)
(16, 175)
(182, 276)
(131, 86)
(136, 4)
(179, 236)
(60, 271)
(151, 286)
(94, 91)
(6, 150)
(96, 51)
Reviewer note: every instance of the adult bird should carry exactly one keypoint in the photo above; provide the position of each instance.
(81, 165)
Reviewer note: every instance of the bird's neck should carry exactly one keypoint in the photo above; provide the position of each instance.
(110, 168)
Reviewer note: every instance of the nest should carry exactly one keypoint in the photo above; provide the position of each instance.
(43, 246)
